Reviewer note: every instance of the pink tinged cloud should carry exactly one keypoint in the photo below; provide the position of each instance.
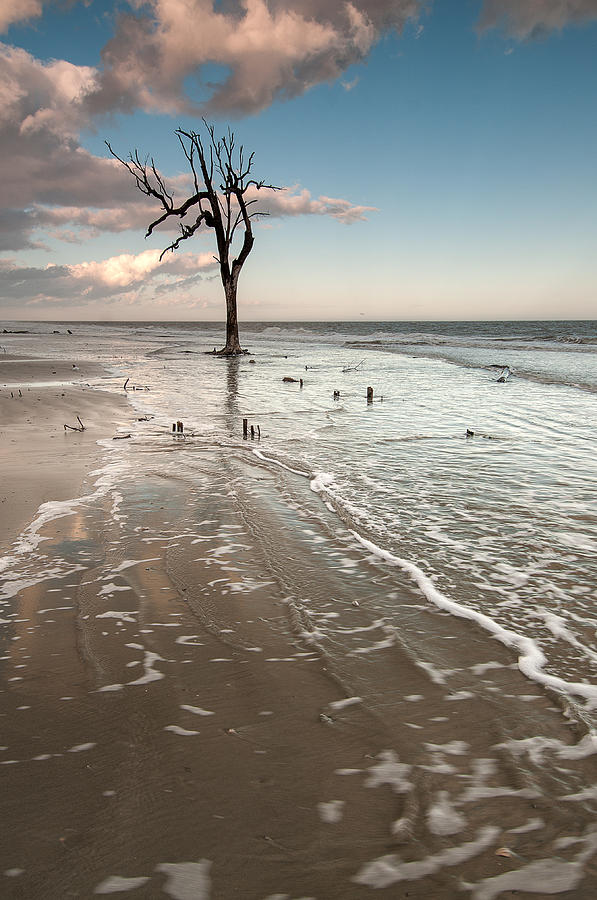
(12, 11)
(128, 269)
(272, 50)
(298, 202)
(50, 182)
(126, 276)
(531, 18)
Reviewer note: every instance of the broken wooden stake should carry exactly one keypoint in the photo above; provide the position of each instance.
(369, 395)
(252, 432)
(245, 428)
(125, 384)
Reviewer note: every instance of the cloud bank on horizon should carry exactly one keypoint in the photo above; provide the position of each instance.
(161, 51)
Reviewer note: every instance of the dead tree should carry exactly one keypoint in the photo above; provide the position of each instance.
(223, 206)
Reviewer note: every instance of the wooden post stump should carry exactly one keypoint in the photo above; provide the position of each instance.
(369, 395)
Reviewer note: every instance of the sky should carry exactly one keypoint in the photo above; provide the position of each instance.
(436, 158)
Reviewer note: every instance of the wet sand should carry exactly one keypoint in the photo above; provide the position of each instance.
(211, 690)
(39, 460)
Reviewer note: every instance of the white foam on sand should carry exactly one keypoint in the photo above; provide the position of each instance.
(544, 876)
(537, 746)
(277, 462)
(123, 615)
(196, 710)
(331, 811)
(531, 659)
(390, 869)
(342, 704)
(151, 674)
(389, 770)
(176, 729)
(443, 818)
(187, 881)
(114, 884)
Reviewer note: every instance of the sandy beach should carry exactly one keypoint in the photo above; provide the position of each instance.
(176, 723)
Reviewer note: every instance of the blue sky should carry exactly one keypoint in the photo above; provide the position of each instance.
(462, 157)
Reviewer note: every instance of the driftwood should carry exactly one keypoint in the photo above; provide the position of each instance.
(80, 427)
(134, 387)
(353, 368)
(121, 437)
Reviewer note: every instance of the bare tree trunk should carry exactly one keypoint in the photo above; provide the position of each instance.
(232, 339)
(221, 176)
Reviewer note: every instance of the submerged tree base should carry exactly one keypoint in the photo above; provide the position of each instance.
(225, 351)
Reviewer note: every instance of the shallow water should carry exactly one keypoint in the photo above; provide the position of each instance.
(434, 594)
(503, 522)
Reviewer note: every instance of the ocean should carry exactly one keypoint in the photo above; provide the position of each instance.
(453, 519)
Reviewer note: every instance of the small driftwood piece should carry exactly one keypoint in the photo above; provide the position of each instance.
(121, 437)
(80, 427)
(125, 384)
(353, 368)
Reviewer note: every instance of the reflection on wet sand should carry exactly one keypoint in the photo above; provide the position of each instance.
(212, 689)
